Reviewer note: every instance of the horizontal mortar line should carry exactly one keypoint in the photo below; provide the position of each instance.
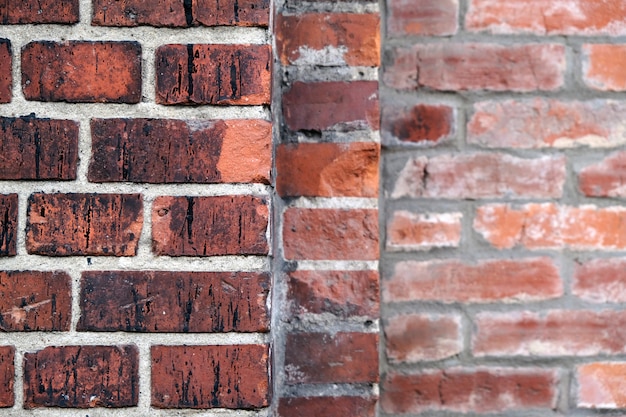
(336, 265)
(327, 323)
(334, 203)
(338, 390)
(129, 411)
(303, 7)
(336, 137)
(311, 73)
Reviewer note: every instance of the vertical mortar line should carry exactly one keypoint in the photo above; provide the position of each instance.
(145, 376)
(75, 275)
(144, 249)
(22, 208)
(85, 12)
(18, 384)
(84, 148)
(148, 73)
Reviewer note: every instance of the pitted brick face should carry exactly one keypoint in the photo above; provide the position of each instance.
(7, 376)
(8, 224)
(39, 11)
(6, 73)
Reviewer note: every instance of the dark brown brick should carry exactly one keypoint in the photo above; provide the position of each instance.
(8, 224)
(37, 301)
(319, 358)
(213, 74)
(209, 226)
(84, 224)
(174, 301)
(179, 151)
(38, 11)
(6, 71)
(327, 406)
(38, 149)
(210, 376)
(82, 72)
(7, 376)
(421, 124)
(81, 377)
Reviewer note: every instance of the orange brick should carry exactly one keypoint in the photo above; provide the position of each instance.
(422, 17)
(601, 385)
(605, 178)
(408, 231)
(604, 67)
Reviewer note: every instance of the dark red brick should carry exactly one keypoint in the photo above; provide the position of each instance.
(327, 406)
(38, 149)
(422, 123)
(37, 301)
(6, 70)
(82, 71)
(179, 151)
(39, 11)
(84, 224)
(213, 74)
(81, 377)
(210, 376)
(174, 301)
(7, 376)
(8, 224)
(209, 226)
(319, 358)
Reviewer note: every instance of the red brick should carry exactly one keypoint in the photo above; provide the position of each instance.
(319, 358)
(605, 178)
(332, 39)
(423, 337)
(569, 17)
(35, 301)
(475, 66)
(600, 280)
(210, 226)
(602, 66)
(8, 224)
(210, 376)
(327, 234)
(453, 281)
(39, 11)
(213, 74)
(549, 226)
(480, 390)
(84, 224)
(38, 149)
(342, 293)
(422, 17)
(601, 385)
(6, 70)
(550, 334)
(82, 377)
(422, 124)
(7, 376)
(82, 72)
(149, 301)
(327, 169)
(331, 105)
(481, 175)
(327, 406)
(180, 151)
(171, 13)
(408, 231)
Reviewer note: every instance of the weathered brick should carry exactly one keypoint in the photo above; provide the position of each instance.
(466, 390)
(35, 301)
(39, 11)
(329, 39)
(180, 151)
(151, 301)
(423, 337)
(408, 231)
(38, 149)
(342, 293)
(327, 406)
(172, 13)
(422, 17)
(84, 224)
(213, 74)
(550, 226)
(453, 281)
(327, 169)
(601, 385)
(8, 224)
(210, 376)
(422, 124)
(331, 105)
(210, 226)
(7, 376)
(326, 234)
(346, 358)
(600, 280)
(82, 377)
(605, 178)
(481, 175)
(6, 70)
(476, 66)
(602, 66)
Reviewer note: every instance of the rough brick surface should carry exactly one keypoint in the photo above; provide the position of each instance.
(39, 11)
(172, 13)
(174, 301)
(327, 406)
(605, 178)
(210, 226)
(482, 390)
(38, 149)
(35, 301)
(82, 71)
(408, 231)
(601, 385)
(342, 293)
(325, 234)
(84, 224)
(331, 105)
(422, 17)
(213, 74)
(210, 376)
(600, 280)
(6, 70)
(81, 377)
(346, 358)
(329, 39)
(327, 169)
(422, 124)
(602, 66)
(7, 376)
(8, 224)
(452, 281)
(178, 151)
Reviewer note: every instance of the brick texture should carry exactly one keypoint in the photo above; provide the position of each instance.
(605, 178)
(600, 280)
(7, 376)
(601, 385)
(8, 224)
(407, 231)
(602, 67)
(422, 17)
(319, 406)
(422, 124)
(40, 11)
(6, 70)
